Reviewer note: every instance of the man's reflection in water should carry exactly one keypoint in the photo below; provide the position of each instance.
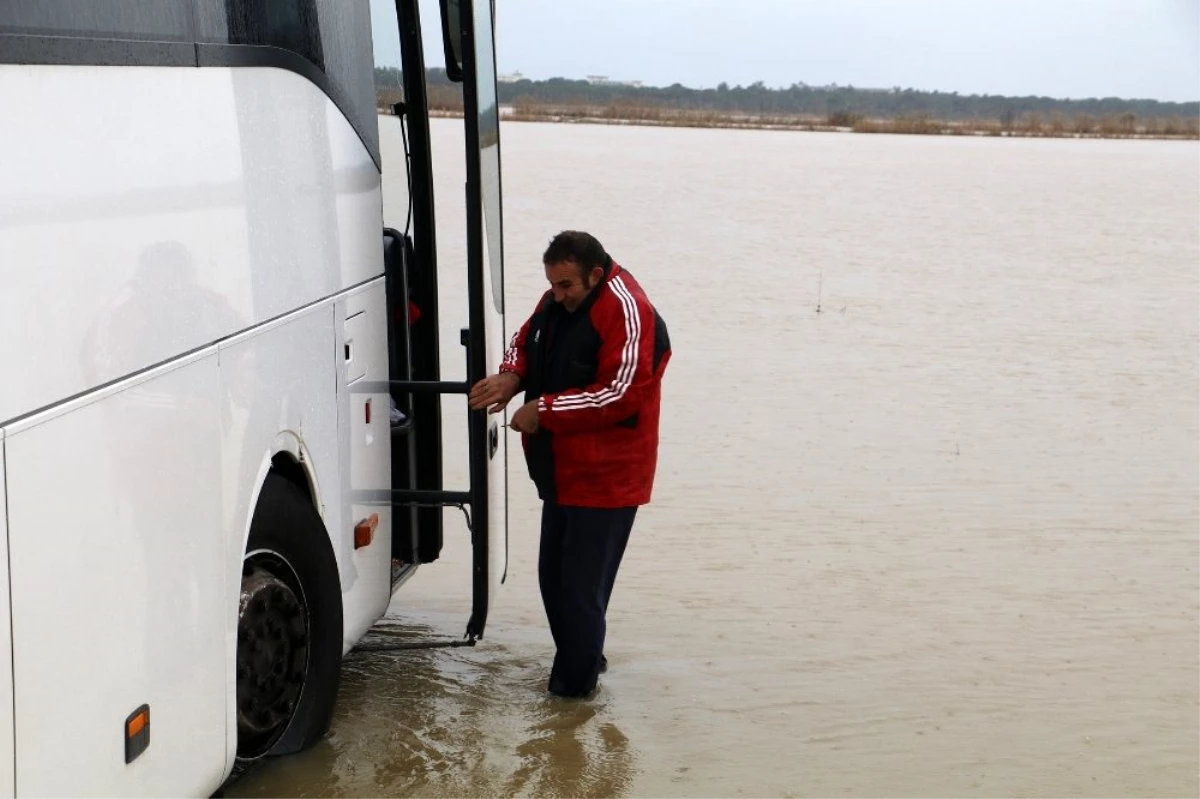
(571, 752)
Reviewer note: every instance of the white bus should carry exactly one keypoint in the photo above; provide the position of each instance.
(203, 324)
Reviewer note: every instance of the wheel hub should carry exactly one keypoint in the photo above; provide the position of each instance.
(272, 654)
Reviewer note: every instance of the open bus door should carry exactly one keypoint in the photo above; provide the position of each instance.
(467, 28)
(485, 260)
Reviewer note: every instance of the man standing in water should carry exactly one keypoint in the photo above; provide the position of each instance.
(590, 360)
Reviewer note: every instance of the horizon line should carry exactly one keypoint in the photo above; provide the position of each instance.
(644, 85)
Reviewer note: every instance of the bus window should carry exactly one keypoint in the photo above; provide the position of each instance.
(156, 20)
(326, 33)
(288, 24)
(344, 27)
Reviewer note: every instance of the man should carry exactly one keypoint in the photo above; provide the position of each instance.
(590, 360)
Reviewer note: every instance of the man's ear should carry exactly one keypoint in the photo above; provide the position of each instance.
(596, 275)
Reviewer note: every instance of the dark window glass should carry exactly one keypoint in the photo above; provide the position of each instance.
(212, 21)
(289, 24)
(333, 35)
(350, 62)
(157, 20)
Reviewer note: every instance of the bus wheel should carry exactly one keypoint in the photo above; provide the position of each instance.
(289, 626)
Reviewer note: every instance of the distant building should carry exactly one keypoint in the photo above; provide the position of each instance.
(869, 89)
(596, 80)
(604, 80)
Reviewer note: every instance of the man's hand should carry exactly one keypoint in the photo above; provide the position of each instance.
(494, 393)
(525, 420)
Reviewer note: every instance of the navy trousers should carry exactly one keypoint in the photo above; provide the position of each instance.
(581, 549)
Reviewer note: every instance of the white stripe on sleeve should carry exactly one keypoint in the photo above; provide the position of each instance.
(629, 355)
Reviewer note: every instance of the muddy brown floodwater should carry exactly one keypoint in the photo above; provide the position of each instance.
(940, 539)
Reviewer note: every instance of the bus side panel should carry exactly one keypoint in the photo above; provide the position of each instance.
(117, 564)
(279, 379)
(367, 448)
(288, 380)
(162, 209)
(8, 785)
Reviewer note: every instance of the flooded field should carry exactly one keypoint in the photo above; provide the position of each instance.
(939, 539)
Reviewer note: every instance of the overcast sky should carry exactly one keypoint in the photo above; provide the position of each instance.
(1059, 48)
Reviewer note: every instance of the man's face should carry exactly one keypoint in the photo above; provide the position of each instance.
(570, 287)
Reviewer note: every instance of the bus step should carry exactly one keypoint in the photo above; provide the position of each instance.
(402, 646)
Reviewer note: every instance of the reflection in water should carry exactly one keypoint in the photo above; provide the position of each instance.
(449, 722)
(569, 754)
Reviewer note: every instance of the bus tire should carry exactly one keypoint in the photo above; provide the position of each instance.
(289, 626)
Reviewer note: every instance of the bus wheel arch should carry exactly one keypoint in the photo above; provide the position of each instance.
(289, 620)
(287, 465)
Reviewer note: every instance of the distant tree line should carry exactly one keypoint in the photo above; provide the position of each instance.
(823, 101)
(800, 98)
(867, 110)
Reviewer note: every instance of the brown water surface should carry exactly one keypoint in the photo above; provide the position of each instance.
(940, 539)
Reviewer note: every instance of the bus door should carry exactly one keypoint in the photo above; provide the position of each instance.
(467, 28)
(485, 262)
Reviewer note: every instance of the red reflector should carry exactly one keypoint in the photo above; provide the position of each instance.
(364, 531)
(368, 412)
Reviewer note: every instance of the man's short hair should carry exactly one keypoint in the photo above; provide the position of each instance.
(583, 249)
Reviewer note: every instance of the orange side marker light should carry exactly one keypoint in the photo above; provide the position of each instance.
(137, 733)
(364, 531)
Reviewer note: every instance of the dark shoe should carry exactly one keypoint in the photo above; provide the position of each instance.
(560, 689)
(557, 687)
(561, 692)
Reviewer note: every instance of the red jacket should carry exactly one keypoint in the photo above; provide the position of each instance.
(596, 374)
